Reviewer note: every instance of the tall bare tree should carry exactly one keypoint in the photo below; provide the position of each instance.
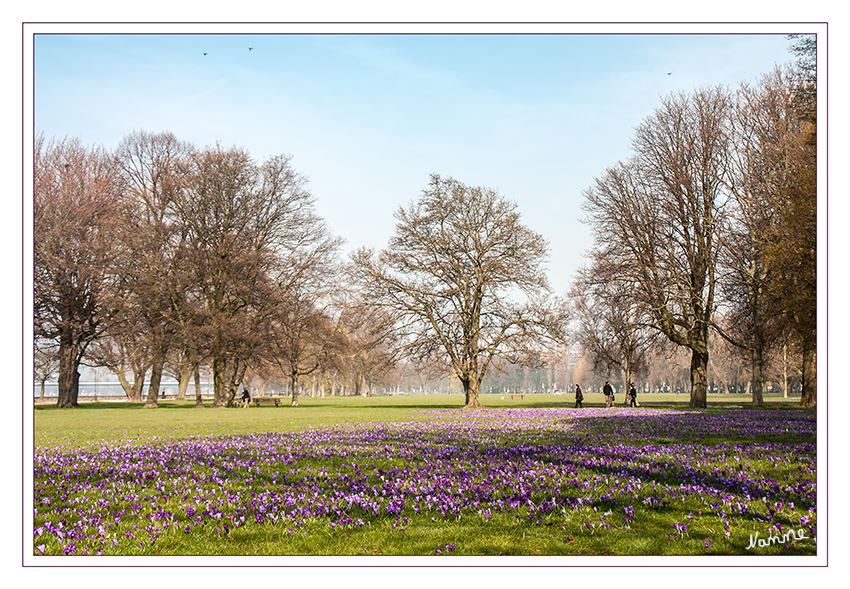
(462, 279)
(302, 328)
(771, 240)
(77, 223)
(123, 349)
(152, 168)
(612, 328)
(660, 214)
(791, 254)
(45, 363)
(243, 221)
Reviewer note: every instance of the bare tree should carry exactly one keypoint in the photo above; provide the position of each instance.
(152, 168)
(660, 214)
(762, 123)
(301, 332)
(301, 328)
(123, 350)
(45, 363)
(243, 223)
(612, 328)
(77, 211)
(791, 251)
(447, 278)
(368, 350)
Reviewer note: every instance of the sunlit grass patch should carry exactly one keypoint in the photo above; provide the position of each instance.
(526, 481)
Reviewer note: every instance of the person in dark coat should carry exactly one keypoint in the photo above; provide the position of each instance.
(579, 397)
(246, 398)
(609, 394)
(633, 396)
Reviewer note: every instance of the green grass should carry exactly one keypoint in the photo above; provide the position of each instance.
(93, 422)
(597, 529)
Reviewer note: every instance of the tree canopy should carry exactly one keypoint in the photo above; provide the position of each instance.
(462, 279)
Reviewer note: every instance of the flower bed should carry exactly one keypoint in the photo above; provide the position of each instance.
(577, 471)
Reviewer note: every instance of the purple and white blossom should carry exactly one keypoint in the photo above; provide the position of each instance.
(542, 463)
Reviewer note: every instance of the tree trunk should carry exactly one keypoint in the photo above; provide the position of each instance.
(68, 375)
(183, 383)
(293, 380)
(236, 378)
(758, 375)
(156, 378)
(138, 385)
(219, 394)
(808, 396)
(125, 384)
(785, 370)
(199, 401)
(758, 358)
(470, 389)
(699, 379)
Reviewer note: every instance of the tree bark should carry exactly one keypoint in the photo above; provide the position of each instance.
(236, 378)
(758, 375)
(199, 401)
(134, 390)
(699, 379)
(758, 351)
(785, 370)
(183, 384)
(152, 401)
(68, 374)
(470, 389)
(125, 384)
(293, 379)
(808, 397)
(138, 385)
(219, 394)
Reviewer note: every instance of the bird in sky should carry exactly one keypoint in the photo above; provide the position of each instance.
(250, 48)
(668, 73)
(204, 53)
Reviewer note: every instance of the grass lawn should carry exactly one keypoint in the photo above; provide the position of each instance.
(415, 475)
(131, 422)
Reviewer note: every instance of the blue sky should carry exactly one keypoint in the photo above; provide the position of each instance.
(367, 118)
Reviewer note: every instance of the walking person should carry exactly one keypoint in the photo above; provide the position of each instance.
(579, 397)
(633, 395)
(609, 394)
(246, 398)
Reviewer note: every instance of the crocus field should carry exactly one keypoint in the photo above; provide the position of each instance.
(446, 482)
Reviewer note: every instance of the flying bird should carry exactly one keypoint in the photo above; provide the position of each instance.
(668, 73)
(204, 53)
(250, 48)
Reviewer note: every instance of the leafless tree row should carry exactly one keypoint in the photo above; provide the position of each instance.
(163, 257)
(710, 226)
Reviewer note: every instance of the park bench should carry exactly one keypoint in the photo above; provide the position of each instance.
(520, 396)
(266, 401)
